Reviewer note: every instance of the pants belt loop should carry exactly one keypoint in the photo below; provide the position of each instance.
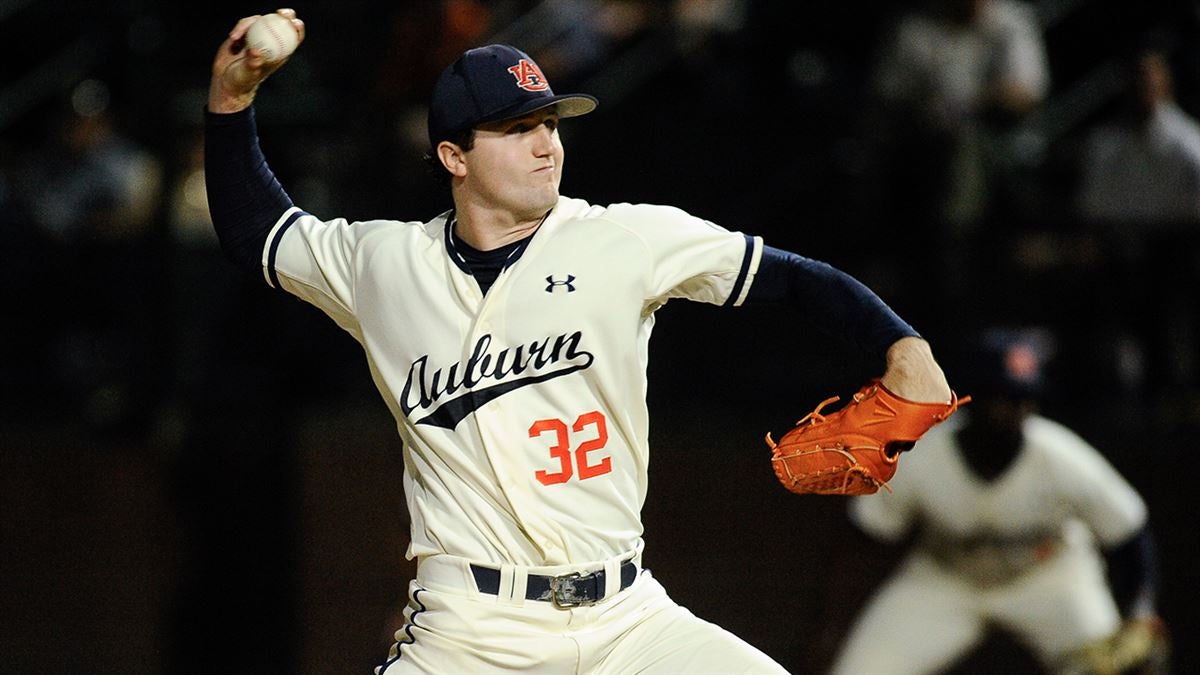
(612, 577)
(520, 583)
(507, 577)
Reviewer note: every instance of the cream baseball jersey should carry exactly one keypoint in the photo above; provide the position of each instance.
(523, 410)
(1057, 484)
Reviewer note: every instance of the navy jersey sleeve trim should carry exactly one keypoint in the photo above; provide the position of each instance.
(244, 198)
(835, 302)
(742, 273)
(272, 276)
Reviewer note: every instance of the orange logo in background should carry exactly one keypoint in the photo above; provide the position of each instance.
(529, 77)
(1022, 364)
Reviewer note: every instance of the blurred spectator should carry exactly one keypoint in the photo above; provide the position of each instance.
(1141, 170)
(1139, 191)
(91, 182)
(954, 76)
(1020, 525)
(92, 194)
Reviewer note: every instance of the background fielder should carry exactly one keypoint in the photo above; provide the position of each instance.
(1012, 516)
(508, 336)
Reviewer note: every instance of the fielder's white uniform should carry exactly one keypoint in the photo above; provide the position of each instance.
(524, 420)
(1019, 551)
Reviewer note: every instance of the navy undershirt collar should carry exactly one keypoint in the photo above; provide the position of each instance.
(485, 266)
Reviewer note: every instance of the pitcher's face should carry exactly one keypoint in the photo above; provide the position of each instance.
(516, 164)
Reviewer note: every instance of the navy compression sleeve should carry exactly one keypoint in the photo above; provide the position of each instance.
(244, 198)
(1133, 570)
(834, 301)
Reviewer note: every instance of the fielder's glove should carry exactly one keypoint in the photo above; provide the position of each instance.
(1142, 646)
(854, 451)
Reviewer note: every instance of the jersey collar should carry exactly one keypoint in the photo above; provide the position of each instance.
(461, 261)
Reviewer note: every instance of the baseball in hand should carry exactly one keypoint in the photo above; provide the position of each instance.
(274, 36)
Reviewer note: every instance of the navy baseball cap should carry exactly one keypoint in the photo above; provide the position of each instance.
(493, 83)
(1010, 362)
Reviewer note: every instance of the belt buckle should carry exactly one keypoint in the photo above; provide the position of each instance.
(562, 591)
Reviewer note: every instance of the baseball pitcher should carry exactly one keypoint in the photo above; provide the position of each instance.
(509, 338)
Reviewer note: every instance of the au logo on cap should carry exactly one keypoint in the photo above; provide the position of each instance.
(528, 76)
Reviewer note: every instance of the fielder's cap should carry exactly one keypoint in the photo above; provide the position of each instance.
(493, 83)
(1010, 362)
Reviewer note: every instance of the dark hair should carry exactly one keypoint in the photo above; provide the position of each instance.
(464, 140)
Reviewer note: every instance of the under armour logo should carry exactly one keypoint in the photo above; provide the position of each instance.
(552, 283)
(528, 76)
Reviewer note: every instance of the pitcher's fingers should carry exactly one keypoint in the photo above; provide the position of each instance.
(290, 14)
(243, 25)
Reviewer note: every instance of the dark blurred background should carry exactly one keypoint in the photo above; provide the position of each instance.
(196, 475)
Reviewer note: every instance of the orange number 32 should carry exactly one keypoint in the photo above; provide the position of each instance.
(561, 450)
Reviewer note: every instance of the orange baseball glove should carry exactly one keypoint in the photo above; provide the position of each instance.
(855, 450)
